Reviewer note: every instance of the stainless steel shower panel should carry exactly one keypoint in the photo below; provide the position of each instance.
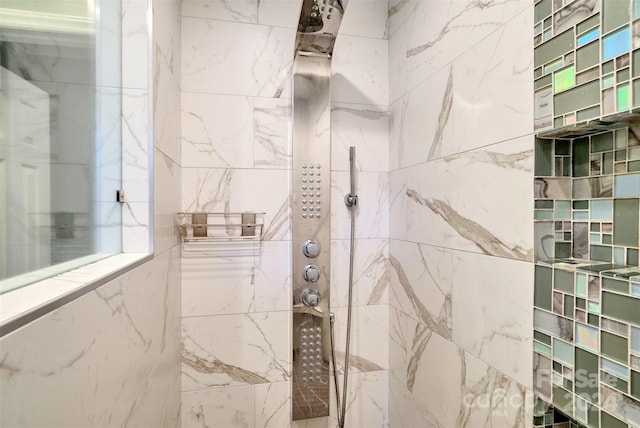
(318, 26)
(311, 236)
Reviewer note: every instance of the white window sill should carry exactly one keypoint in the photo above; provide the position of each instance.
(23, 305)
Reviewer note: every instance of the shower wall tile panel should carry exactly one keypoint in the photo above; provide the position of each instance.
(236, 59)
(468, 107)
(236, 156)
(100, 354)
(112, 356)
(432, 36)
(461, 253)
(463, 219)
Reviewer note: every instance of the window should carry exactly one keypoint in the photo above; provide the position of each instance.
(60, 136)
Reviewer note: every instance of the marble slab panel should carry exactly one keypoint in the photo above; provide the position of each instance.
(431, 34)
(369, 335)
(96, 368)
(492, 312)
(359, 71)
(166, 16)
(272, 278)
(364, 127)
(273, 405)
(279, 13)
(447, 209)
(136, 227)
(372, 212)
(230, 350)
(398, 204)
(234, 58)
(365, 18)
(135, 51)
(370, 274)
(420, 284)
(217, 131)
(367, 399)
(219, 407)
(166, 109)
(234, 190)
(272, 132)
(465, 106)
(233, 11)
(135, 145)
(167, 179)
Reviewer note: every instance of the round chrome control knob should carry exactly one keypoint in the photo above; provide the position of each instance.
(311, 248)
(311, 273)
(310, 297)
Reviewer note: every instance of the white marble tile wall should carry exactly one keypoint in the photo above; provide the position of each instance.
(236, 156)
(112, 357)
(460, 213)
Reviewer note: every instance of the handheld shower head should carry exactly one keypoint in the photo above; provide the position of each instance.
(318, 26)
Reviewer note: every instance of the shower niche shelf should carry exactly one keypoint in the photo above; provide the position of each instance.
(203, 227)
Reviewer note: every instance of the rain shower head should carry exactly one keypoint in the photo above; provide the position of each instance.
(318, 26)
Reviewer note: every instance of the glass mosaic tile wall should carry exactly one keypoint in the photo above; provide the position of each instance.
(587, 280)
(586, 65)
(587, 213)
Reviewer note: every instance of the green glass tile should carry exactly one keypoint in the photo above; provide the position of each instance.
(607, 163)
(580, 205)
(543, 287)
(595, 227)
(562, 210)
(544, 158)
(563, 352)
(593, 320)
(627, 186)
(580, 159)
(541, 337)
(588, 56)
(569, 306)
(544, 203)
(623, 102)
(581, 303)
(587, 24)
(622, 75)
(564, 79)
(635, 63)
(542, 348)
(543, 215)
(602, 142)
(616, 43)
(600, 253)
(602, 210)
(607, 81)
(558, 122)
(636, 92)
(593, 416)
(594, 308)
(537, 72)
(614, 382)
(621, 155)
(607, 239)
(547, 23)
(554, 48)
(614, 368)
(553, 66)
(588, 113)
(566, 171)
(542, 10)
(633, 166)
(577, 98)
(624, 308)
(634, 153)
(543, 81)
(581, 285)
(614, 14)
(609, 421)
(557, 367)
(563, 281)
(563, 147)
(615, 285)
(595, 238)
(586, 363)
(626, 213)
(632, 257)
(635, 384)
(614, 347)
(618, 255)
(608, 67)
(563, 400)
(621, 138)
(562, 249)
